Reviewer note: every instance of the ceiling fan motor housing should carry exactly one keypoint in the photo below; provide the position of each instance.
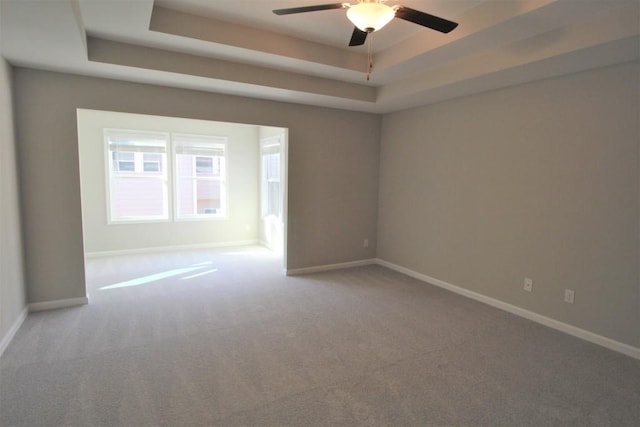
(370, 16)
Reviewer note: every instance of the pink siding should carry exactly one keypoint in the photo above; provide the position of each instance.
(144, 196)
(207, 192)
(134, 197)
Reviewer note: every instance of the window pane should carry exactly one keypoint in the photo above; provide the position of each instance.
(218, 163)
(137, 198)
(199, 197)
(204, 165)
(123, 155)
(123, 161)
(272, 167)
(152, 166)
(185, 202)
(138, 186)
(273, 199)
(200, 163)
(152, 162)
(125, 166)
(208, 197)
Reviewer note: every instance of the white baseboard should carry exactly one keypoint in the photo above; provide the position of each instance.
(530, 315)
(328, 267)
(4, 342)
(55, 304)
(169, 248)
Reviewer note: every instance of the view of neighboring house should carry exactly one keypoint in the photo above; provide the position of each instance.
(143, 178)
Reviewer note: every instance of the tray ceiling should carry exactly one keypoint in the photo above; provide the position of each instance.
(239, 47)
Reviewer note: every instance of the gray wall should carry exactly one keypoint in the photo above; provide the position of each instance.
(333, 170)
(12, 286)
(539, 180)
(241, 222)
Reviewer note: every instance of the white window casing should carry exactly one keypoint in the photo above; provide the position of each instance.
(141, 164)
(134, 192)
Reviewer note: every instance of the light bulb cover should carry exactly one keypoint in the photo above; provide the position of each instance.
(370, 17)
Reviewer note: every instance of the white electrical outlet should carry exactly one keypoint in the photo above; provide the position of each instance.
(528, 284)
(365, 243)
(569, 296)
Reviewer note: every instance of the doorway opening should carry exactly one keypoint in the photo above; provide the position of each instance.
(152, 184)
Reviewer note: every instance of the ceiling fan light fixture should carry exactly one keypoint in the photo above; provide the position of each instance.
(370, 17)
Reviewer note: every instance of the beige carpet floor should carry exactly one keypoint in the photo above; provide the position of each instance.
(224, 338)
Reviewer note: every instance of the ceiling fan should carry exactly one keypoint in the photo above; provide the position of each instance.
(371, 15)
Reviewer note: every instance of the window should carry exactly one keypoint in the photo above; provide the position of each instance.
(137, 191)
(139, 170)
(152, 162)
(271, 188)
(200, 176)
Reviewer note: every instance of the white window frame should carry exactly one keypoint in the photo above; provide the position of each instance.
(177, 140)
(268, 146)
(165, 176)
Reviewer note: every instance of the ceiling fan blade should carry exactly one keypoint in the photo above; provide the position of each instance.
(358, 37)
(304, 9)
(426, 20)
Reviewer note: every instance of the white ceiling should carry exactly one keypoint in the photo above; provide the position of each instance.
(239, 47)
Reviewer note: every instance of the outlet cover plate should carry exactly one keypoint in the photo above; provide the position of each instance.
(569, 296)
